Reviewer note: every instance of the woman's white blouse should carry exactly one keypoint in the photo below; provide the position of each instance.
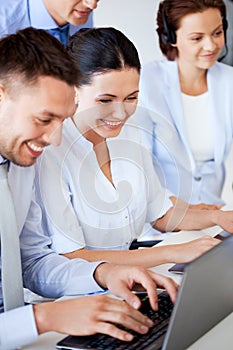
(81, 208)
(198, 124)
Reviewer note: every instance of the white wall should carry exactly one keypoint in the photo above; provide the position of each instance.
(136, 19)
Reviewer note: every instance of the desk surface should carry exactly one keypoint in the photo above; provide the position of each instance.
(219, 337)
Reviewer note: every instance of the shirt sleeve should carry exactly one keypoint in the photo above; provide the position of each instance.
(47, 273)
(17, 328)
(13, 18)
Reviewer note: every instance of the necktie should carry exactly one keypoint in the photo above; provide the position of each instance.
(60, 33)
(12, 285)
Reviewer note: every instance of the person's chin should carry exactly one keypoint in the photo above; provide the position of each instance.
(26, 158)
(78, 20)
(23, 162)
(111, 134)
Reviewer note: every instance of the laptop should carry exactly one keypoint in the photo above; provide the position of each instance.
(205, 297)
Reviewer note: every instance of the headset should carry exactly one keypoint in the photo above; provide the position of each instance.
(168, 35)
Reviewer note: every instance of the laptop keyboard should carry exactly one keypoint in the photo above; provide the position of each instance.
(160, 319)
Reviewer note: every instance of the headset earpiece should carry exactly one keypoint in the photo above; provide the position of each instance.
(225, 26)
(168, 36)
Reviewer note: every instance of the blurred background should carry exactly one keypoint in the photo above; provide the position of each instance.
(136, 19)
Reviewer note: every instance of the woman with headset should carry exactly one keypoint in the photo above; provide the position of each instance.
(187, 100)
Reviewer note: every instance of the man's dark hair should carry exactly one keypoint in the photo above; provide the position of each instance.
(31, 53)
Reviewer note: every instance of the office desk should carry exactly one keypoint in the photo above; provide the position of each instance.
(219, 337)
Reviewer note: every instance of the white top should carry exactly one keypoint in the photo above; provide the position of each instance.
(82, 208)
(198, 126)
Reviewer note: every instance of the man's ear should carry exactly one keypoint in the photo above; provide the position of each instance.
(76, 96)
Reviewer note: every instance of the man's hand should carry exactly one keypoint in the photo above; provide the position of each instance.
(90, 315)
(100, 313)
(120, 279)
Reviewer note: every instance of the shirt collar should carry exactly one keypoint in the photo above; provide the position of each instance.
(3, 160)
(40, 17)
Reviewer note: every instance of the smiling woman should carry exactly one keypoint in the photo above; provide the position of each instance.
(193, 96)
(110, 100)
(99, 186)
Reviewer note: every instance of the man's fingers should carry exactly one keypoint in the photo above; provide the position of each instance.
(113, 331)
(166, 283)
(134, 321)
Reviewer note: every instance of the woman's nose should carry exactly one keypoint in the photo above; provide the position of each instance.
(209, 44)
(119, 111)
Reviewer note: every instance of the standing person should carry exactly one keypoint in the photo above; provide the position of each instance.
(188, 99)
(60, 18)
(36, 95)
(101, 177)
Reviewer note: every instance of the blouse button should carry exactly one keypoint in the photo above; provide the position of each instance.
(197, 178)
(126, 217)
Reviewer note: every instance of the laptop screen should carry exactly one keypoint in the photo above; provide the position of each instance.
(205, 297)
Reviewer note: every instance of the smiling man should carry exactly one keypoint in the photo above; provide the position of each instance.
(37, 79)
(47, 102)
(60, 18)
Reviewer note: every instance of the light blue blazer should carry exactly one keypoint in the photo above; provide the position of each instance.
(160, 97)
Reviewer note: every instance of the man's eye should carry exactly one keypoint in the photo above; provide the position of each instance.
(44, 121)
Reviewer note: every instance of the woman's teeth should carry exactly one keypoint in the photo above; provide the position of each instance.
(111, 123)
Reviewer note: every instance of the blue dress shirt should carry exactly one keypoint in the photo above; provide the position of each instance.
(44, 271)
(19, 14)
(60, 33)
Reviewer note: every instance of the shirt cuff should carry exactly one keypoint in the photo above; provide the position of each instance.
(17, 328)
(86, 276)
